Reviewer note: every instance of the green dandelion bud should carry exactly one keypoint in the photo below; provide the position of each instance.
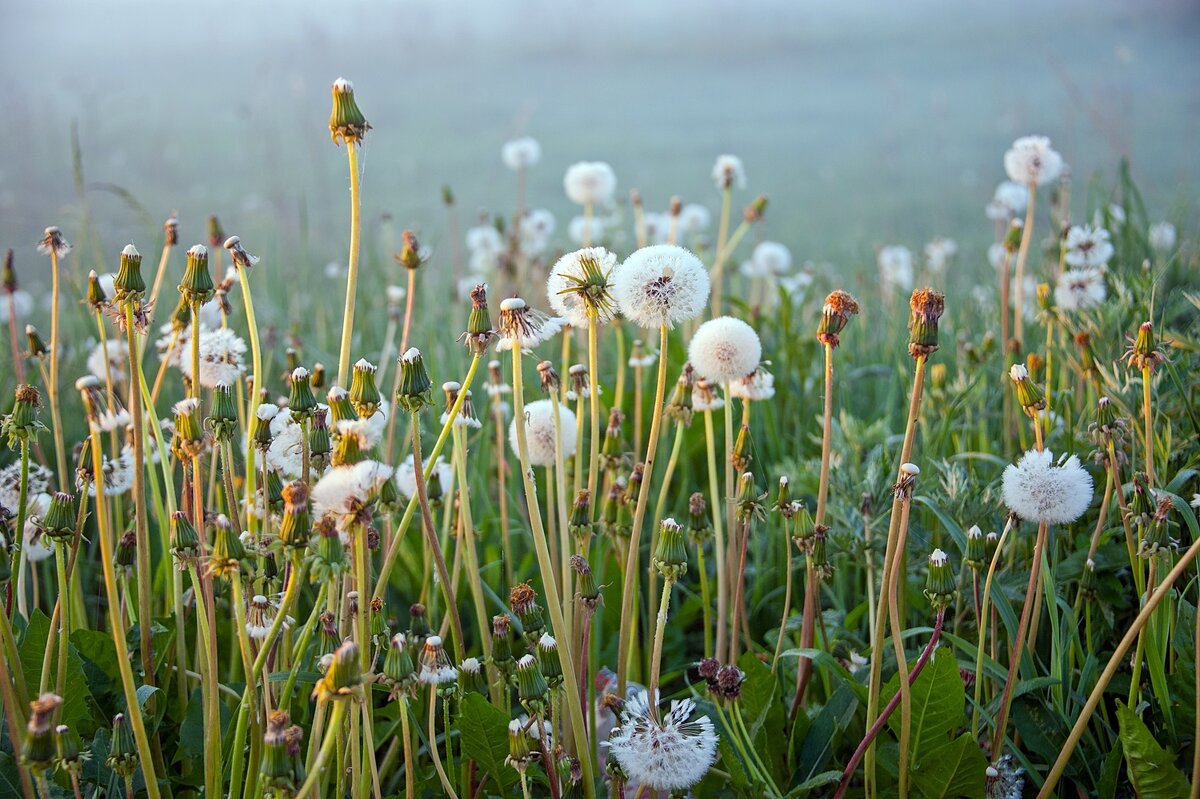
(1143, 352)
(611, 511)
(69, 758)
(471, 678)
(301, 401)
(976, 555)
(519, 753)
(189, 438)
(1012, 239)
(548, 660)
(340, 409)
(803, 529)
(1087, 357)
(818, 552)
(343, 678)
(1028, 394)
(415, 385)
(346, 121)
(223, 419)
(122, 754)
(281, 768)
(37, 750)
(479, 324)
(376, 623)
(755, 210)
(216, 235)
(96, 298)
(836, 313)
(274, 490)
(126, 551)
(364, 396)
(699, 522)
(128, 285)
(1158, 542)
(502, 655)
(680, 406)
(585, 581)
(23, 422)
(939, 583)
(8, 277)
(319, 442)
(228, 553)
(37, 347)
(434, 490)
(1045, 298)
(1141, 505)
(532, 689)
(991, 543)
(409, 256)
(670, 558)
(741, 456)
(197, 286)
(610, 450)
(296, 526)
(749, 501)
(185, 541)
(523, 601)
(927, 307)
(418, 625)
(581, 517)
(398, 666)
(59, 521)
(1087, 582)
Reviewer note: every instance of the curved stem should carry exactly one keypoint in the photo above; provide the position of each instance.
(715, 507)
(981, 622)
(332, 735)
(433, 749)
(351, 266)
(656, 658)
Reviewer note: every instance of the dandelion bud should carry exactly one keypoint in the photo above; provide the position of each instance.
(783, 499)
(343, 678)
(612, 503)
(502, 655)
(927, 307)
(471, 675)
(418, 625)
(293, 362)
(839, 307)
(1087, 582)
(69, 759)
(519, 753)
(680, 406)
(8, 276)
(185, 542)
(447, 196)
(329, 557)
(23, 421)
(398, 666)
(589, 592)
(581, 517)
(122, 753)
(58, 523)
(301, 401)
(128, 284)
(903, 489)
(346, 121)
(96, 298)
(37, 347)
(699, 523)
(729, 682)
(189, 439)
(296, 526)
(126, 552)
(670, 558)
(818, 552)
(1045, 300)
(410, 251)
(548, 660)
(262, 432)
(340, 408)
(1143, 353)
(523, 600)
(364, 396)
(1035, 364)
(37, 750)
(223, 420)
(1158, 542)
(228, 553)
(549, 377)
(216, 235)
(976, 554)
(610, 449)
(282, 767)
(1028, 394)
(415, 384)
(755, 210)
(741, 450)
(1142, 499)
(53, 243)
(532, 688)
(804, 527)
(939, 584)
(197, 286)
(479, 326)
(436, 668)
(991, 543)
(1087, 358)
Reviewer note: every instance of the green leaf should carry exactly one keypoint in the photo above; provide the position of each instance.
(10, 778)
(950, 770)
(938, 699)
(819, 781)
(1151, 768)
(483, 736)
(825, 732)
(33, 650)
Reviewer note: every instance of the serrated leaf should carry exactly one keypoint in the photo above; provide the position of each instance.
(938, 699)
(1151, 768)
(950, 770)
(483, 736)
(33, 650)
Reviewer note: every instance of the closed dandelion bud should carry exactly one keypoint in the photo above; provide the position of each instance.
(122, 754)
(436, 668)
(741, 449)
(1157, 541)
(197, 286)
(783, 499)
(292, 356)
(37, 750)
(69, 758)
(329, 556)
(581, 516)
(189, 439)
(1141, 504)
(1087, 358)
(471, 678)
(1028, 394)
(818, 552)
(1087, 581)
(680, 406)
(532, 689)
(1045, 299)
(346, 121)
(398, 666)
(216, 235)
(804, 528)
(296, 526)
(519, 754)
(939, 583)
(223, 419)
(976, 555)
(547, 655)
(415, 385)
(670, 558)
(262, 432)
(610, 513)
(418, 625)
(37, 347)
(23, 421)
(389, 496)
(96, 298)
(699, 523)
(364, 396)
(8, 277)
(610, 449)
(348, 449)
(749, 501)
(549, 378)
(227, 552)
(343, 678)
(1012, 239)
(1107, 420)
(991, 542)
(274, 490)
(319, 443)
(926, 306)
(433, 489)
(1143, 353)
(301, 401)
(837, 311)
(410, 251)
(755, 210)
(502, 655)
(185, 542)
(376, 623)
(128, 285)
(59, 521)
(330, 640)
(523, 600)
(126, 551)
(278, 766)
(585, 581)
(937, 376)
(479, 324)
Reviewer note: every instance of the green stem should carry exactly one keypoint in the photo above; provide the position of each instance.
(351, 266)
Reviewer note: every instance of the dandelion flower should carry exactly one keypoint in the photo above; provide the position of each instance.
(1162, 236)
(759, 385)
(1038, 489)
(668, 755)
(436, 668)
(728, 172)
(539, 432)
(590, 183)
(1032, 160)
(579, 286)
(694, 219)
(661, 285)
(484, 239)
(406, 476)
(938, 253)
(1087, 247)
(221, 352)
(770, 258)
(1079, 289)
(521, 153)
(725, 349)
(896, 266)
(1008, 201)
(523, 326)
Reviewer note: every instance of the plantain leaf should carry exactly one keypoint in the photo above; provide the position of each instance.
(1152, 769)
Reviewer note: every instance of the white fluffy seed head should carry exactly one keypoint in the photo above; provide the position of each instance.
(661, 285)
(590, 182)
(671, 754)
(771, 258)
(1039, 490)
(567, 274)
(728, 171)
(1017, 372)
(539, 432)
(521, 153)
(725, 349)
(1031, 159)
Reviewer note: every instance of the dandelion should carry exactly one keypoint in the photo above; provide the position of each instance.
(728, 172)
(694, 219)
(345, 492)
(661, 285)
(1039, 489)
(260, 615)
(724, 350)
(523, 326)
(221, 352)
(590, 183)
(641, 356)
(1087, 247)
(1008, 201)
(436, 668)
(896, 267)
(579, 287)
(1079, 290)
(1031, 160)
(484, 239)
(521, 153)
(539, 432)
(769, 258)
(668, 755)
(1162, 237)
(406, 476)
(107, 360)
(581, 229)
(939, 252)
(759, 385)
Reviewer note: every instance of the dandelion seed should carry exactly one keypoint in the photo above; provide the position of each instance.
(406, 477)
(345, 492)
(668, 755)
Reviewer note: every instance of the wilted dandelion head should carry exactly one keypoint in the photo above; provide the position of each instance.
(1031, 159)
(661, 285)
(1038, 489)
(590, 182)
(540, 435)
(671, 754)
(725, 349)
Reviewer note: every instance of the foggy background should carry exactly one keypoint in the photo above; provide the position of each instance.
(864, 122)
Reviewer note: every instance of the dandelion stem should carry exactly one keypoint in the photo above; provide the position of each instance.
(659, 630)
(351, 264)
(1022, 255)
(60, 449)
(332, 734)
(981, 623)
(715, 505)
(897, 628)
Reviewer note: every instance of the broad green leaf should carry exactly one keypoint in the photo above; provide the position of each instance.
(1151, 768)
(819, 781)
(825, 732)
(32, 651)
(950, 770)
(10, 779)
(938, 699)
(483, 736)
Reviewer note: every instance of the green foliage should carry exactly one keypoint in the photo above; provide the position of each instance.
(1152, 769)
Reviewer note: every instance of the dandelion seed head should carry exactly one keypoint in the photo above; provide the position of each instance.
(1031, 159)
(1080, 290)
(1088, 247)
(671, 754)
(1038, 489)
(724, 350)
(579, 281)
(896, 266)
(661, 285)
(590, 183)
(539, 432)
(521, 153)
(1162, 237)
(728, 172)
